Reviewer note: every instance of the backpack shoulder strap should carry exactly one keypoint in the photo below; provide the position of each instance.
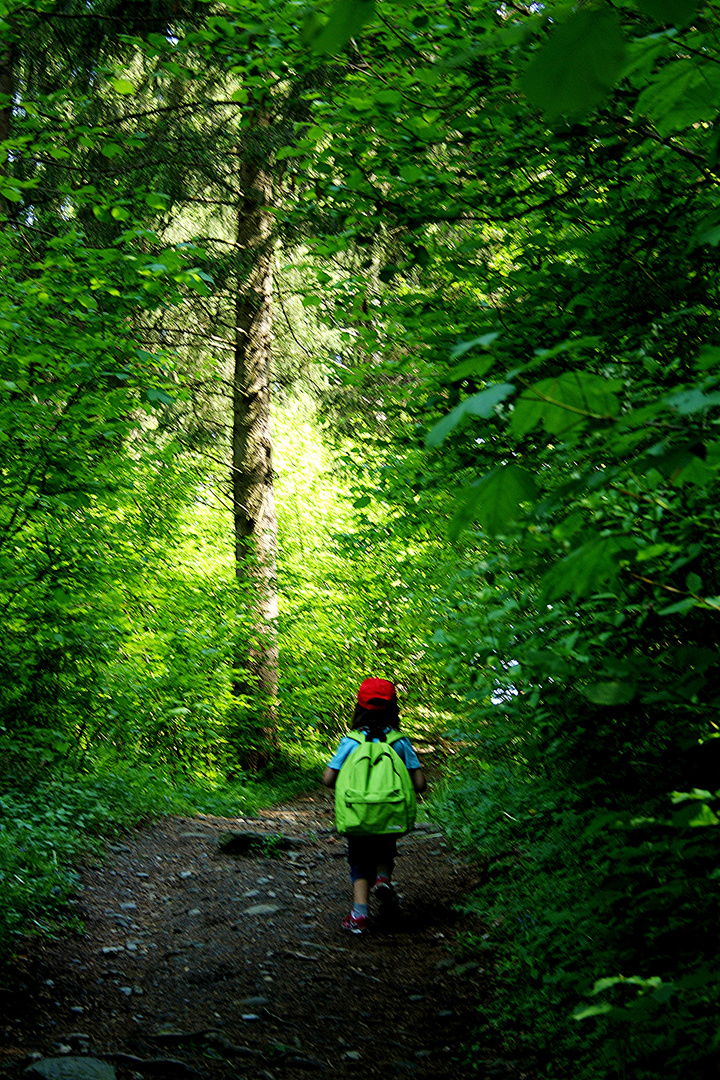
(356, 736)
(393, 736)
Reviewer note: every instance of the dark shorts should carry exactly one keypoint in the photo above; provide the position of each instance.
(365, 852)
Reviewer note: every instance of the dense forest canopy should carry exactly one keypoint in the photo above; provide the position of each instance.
(466, 255)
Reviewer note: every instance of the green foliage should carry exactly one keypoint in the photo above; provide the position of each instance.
(566, 903)
(345, 19)
(357, 592)
(578, 249)
(572, 73)
(510, 221)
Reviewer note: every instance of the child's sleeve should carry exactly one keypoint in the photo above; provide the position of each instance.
(346, 747)
(404, 749)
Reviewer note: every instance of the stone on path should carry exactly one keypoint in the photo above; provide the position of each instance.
(262, 909)
(71, 1068)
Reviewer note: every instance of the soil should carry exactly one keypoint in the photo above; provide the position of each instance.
(195, 962)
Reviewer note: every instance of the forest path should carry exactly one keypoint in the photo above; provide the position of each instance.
(195, 962)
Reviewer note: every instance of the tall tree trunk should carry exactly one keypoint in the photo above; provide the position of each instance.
(252, 469)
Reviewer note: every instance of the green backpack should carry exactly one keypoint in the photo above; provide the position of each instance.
(374, 795)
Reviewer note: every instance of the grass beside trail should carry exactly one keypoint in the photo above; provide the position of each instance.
(44, 829)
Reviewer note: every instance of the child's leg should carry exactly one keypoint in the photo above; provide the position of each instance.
(387, 848)
(361, 891)
(360, 873)
(383, 889)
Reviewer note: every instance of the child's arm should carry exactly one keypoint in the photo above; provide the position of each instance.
(419, 782)
(330, 776)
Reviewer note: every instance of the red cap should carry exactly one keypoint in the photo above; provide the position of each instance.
(375, 693)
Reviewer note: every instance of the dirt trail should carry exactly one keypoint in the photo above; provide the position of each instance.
(195, 962)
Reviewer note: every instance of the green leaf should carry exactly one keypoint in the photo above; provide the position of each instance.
(679, 608)
(668, 12)
(609, 693)
(691, 401)
(111, 149)
(482, 404)
(157, 200)
(474, 365)
(685, 796)
(564, 402)
(676, 464)
(347, 19)
(583, 1011)
(123, 86)
(157, 397)
(693, 583)
(572, 72)
(626, 980)
(581, 573)
(483, 342)
(695, 816)
(197, 279)
(496, 500)
(683, 93)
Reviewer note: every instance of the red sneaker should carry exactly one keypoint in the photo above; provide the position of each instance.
(387, 899)
(356, 924)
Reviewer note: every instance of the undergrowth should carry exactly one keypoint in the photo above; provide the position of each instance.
(597, 921)
(45, 830)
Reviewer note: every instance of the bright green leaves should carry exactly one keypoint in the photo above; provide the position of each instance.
(347, 18)
(564, 402)
(157, 200)
(654, 988)
(696, 813)
(156, 397)
(483, 404)
(484, 341)
(196, 279)
(15, 190)
(111, 149)
(10, 189)
(582, 1012)
(496, 500)
(573, 71)
(123, 86)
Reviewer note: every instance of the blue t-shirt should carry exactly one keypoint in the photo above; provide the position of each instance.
(402, 747)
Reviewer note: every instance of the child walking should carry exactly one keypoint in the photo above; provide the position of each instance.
(372, 858)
